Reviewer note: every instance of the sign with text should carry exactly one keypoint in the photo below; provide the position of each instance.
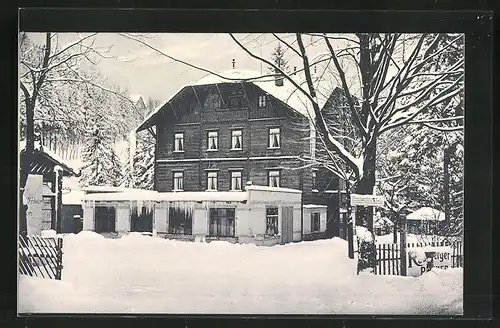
(421, 259)
(32, 197)
(366, 200)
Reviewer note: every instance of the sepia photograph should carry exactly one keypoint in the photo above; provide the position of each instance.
(241, 173)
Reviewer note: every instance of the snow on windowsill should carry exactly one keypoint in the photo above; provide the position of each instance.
(212, 150)
(236, 149)
(177, 151)
(274, 148)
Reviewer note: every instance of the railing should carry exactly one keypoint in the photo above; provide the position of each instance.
(40, 257)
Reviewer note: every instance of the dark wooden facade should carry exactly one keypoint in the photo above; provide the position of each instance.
(192, 113)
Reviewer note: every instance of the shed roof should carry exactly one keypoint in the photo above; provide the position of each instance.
(49, 155)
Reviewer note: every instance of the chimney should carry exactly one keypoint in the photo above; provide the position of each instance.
(279, 79)
(234, 63)
(294, 70)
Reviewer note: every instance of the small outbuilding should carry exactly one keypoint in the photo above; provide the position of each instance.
(261, 215)
(425, 220)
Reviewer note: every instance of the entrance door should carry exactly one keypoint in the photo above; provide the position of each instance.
(287, 224)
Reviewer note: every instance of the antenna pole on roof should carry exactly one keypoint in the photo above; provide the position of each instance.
(234, 63)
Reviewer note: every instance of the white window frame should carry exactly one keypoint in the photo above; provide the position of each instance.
(212, 176)
(272, 133)
(234, 138)
(271, 175)
(176, 150)
(210, 138)
(234, 178)
(175, 179)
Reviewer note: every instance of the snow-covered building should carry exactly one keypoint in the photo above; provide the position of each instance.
(425, 220)
(227, 129)
(53, 169)
(258, 214)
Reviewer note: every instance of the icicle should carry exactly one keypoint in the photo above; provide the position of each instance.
(138, 208)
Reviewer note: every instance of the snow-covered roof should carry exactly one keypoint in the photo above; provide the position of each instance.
(426, 213)
(184, 196)
(288, 93)
(53, 156)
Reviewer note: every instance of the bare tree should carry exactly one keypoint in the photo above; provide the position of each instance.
(57, 82)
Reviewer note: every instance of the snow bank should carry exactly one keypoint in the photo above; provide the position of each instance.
(48, 234)
(142, 274)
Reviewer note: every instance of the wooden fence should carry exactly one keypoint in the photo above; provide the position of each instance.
(40, 257)
(389, 256)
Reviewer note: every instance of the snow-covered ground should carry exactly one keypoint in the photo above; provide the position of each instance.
(139, 274)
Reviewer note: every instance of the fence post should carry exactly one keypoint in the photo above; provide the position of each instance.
(403, 244)
(59, 258)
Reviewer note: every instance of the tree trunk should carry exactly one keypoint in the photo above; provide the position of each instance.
(25, 165)
(364, 215)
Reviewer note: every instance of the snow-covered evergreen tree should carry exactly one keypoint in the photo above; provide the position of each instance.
(278, 59)
(101, 165)
(141, 173)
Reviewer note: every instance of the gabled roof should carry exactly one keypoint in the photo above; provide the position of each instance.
(288, 93)
(51, 156)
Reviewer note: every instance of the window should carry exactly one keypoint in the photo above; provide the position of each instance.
(179, 142)
(271, 221)
(314, 222)
(274, 178)
(235, 102)
(222, 222)
(262, 101)
(213, 140)
(236, 139)
(212, 181)
(104, 219)
(142, 221)
(274, 138)
(180, 221)
(235, 180)
(314, 180)
(178, 181)
(215, 101)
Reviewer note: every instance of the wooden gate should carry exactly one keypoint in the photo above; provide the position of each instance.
(40, 257)
(287, 224)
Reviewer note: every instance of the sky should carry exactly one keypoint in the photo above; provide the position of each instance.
(145, 72)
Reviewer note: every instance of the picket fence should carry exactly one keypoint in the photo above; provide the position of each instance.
(40, 256)
(389, 256)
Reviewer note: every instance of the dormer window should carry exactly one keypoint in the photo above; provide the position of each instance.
(236, 102)
(262, 101)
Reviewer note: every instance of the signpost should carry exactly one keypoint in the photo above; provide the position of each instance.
(367, 200)
(32, 197)
(363, 200)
